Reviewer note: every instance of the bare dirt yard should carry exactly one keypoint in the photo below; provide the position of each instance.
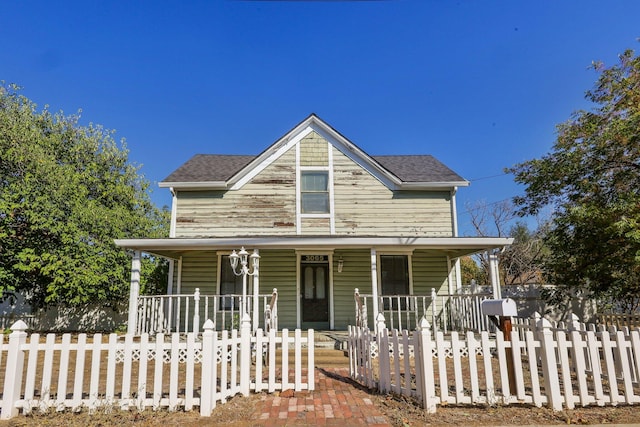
(245, 411)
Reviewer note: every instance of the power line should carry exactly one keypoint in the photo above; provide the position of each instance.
(488, 177)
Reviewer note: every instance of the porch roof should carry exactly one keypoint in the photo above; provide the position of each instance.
(452, 246)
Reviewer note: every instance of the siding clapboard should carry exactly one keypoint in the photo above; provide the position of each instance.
(429, 271)
(278, 270)
(266, 205)
(313, 151)
(356, 273)
(364, 206)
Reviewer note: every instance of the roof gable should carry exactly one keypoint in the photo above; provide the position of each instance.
(233, 171)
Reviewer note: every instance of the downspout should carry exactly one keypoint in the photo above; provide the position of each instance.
(454, 212)
(494, 274)
(454, 223)
(174, 208)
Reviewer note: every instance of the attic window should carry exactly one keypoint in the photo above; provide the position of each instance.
(314, 191)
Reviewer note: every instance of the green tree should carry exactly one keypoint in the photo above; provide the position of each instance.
(521, 263)
(470, 270)
(591, 181)
(66, 191)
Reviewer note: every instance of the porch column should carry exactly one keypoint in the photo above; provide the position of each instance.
(256, 292)
(450, 276)
(134, 292)
(374, 282)
(170, 277)
(494, 274)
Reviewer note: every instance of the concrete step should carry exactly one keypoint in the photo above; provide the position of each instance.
(331, 339)
(323, 358)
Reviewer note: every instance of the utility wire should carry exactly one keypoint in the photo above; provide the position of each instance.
(488, 177)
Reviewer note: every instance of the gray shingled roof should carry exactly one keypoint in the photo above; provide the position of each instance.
(418, 168)
(209, 168)
(220, 167)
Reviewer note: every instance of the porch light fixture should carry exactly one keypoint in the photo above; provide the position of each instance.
(340, 265)
(244, 259)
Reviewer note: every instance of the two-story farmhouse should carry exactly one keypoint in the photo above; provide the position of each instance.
(326, 218)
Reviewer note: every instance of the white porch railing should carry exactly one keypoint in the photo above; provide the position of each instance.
(459, 312)
(183, 313)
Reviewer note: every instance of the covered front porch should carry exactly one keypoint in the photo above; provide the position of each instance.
(306, 282)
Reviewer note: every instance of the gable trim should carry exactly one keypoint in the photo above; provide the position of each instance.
(329, 169)
(342, 144)
(337, 140)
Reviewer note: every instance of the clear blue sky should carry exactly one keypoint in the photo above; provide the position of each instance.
(478, 84)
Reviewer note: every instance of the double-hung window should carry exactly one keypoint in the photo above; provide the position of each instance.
(314, 191)
(230, 284)
(394, 275)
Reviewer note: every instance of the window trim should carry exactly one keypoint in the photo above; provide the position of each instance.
(326, 192)
(299, 169)
(408, 254)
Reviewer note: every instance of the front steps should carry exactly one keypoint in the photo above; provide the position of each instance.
(330, 350)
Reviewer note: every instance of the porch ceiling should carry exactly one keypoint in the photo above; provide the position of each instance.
(452, 246)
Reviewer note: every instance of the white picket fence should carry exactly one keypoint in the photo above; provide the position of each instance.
(161, 371)
(550, 366)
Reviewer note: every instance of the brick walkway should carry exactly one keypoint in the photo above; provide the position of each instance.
(336, 401)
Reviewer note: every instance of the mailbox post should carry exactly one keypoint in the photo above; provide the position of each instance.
(501, 311)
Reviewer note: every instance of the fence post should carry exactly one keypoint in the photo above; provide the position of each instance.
(15, 364)
(384, 362)
(196, 311)
(549, 365)
(245, 354)
(434, 298)
(574, 322)
(208, 366)
(380, 323)
(424, 366)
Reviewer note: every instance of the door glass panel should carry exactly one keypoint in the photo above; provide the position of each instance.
(314, 287)
(308, 283)
(320, 284)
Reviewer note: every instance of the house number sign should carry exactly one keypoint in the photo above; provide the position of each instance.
(315, 258)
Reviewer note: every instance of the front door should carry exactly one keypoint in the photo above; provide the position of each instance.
(314, 284)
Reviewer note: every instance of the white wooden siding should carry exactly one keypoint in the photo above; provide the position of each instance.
(356, 273)
(429, 271)
(364, 206)
(315, 226)
(199, 271)
(278, 270)
(313, 151)
(266, 205)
